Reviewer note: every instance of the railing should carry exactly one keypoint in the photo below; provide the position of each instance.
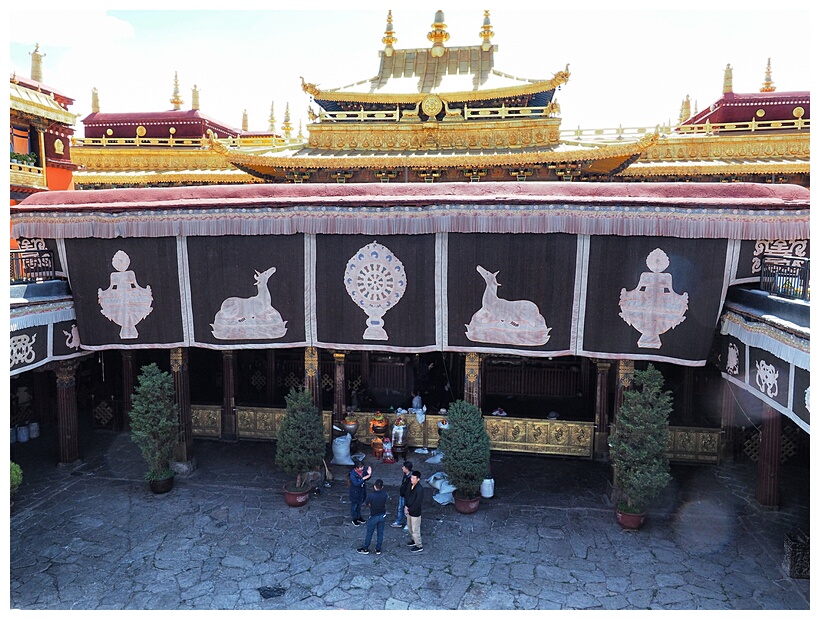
(785, 276)
(26, 266)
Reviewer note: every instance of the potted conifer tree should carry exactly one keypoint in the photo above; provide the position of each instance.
(300, 444)
(16, 479)
(154, 425)
(638, 448)
(466, 448)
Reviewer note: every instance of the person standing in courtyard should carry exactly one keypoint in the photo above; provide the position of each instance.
(377, 501)
(412, 508)
(358, 491)
(401, 518)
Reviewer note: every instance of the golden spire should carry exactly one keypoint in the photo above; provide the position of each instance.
(438, 35)
(244, 120)
(300, 135)
(727, 79)
(95, 100)
(195, 98)
(389, 35)
(287, 128)
(36, 64)
(685, 110)
(176, 100)
(486, 33)
(271, 119)
(768, 85)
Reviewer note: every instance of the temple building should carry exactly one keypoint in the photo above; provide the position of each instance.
(438, 231)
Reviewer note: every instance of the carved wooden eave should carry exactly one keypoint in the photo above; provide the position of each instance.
(603, 159)
(721, 155)
(450, 97)
(151, 178)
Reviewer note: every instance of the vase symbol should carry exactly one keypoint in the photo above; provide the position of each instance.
(125, 302)
(653, 307)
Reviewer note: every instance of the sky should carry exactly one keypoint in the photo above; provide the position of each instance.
(630, 67)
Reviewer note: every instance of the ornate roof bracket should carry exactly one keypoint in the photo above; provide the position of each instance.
(297, 176)
(475, 174)
(385, 176)
(341, 175)
(429, 175)
(521, 174)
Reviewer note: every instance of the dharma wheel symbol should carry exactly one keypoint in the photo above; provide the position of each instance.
(376, 281)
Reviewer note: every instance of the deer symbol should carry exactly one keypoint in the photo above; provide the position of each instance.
(505, 321)
(252, 317)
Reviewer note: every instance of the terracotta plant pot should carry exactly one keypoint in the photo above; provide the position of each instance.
(294, 498)
(630, 520)
(466, 506)
(161, 486)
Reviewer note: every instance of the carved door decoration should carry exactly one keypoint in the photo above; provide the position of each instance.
(502, 321)
(375, 280)
(653, 307)
(125, 302)
(241, 318)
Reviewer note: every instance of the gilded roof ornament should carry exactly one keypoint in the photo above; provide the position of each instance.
(389, 35)
(287, 128)
(176, 100)
(685, 110)
(95, 100)
(486, 32)
(438, 35)
(195, 98)
(309, 88)
(36, 64)
(271, 119)
(727, 79)
(768, 85)
(244, 120)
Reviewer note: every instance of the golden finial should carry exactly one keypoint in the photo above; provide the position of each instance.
(36, 64)
(299, 135)
(195, 98)
(768, 85)
(727, 79)
(176, 100)
(685, 110)
(287, 128)
(95, 100)
(244, 120)
(389, 35)
(438, 35)
(486, 32)
(271, 119)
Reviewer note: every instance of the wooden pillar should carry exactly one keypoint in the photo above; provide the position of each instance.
(270, 376)
(768, 465)
(183, 461)
(312, 375)
(365, 370)
(229, 428)
(601, 442)
(127, 386)
(68, 426)
(726, 451)
(472, 379)
(687, 395)
(339, 403)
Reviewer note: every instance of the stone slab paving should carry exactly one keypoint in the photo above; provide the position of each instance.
(93, 537)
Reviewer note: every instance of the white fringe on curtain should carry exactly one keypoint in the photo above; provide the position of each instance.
(646, 220)
(41, 318)
(786, 347)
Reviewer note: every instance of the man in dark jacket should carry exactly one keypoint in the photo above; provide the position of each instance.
(377, 501)
(412, 508)
(358, 491)
(401, 518)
